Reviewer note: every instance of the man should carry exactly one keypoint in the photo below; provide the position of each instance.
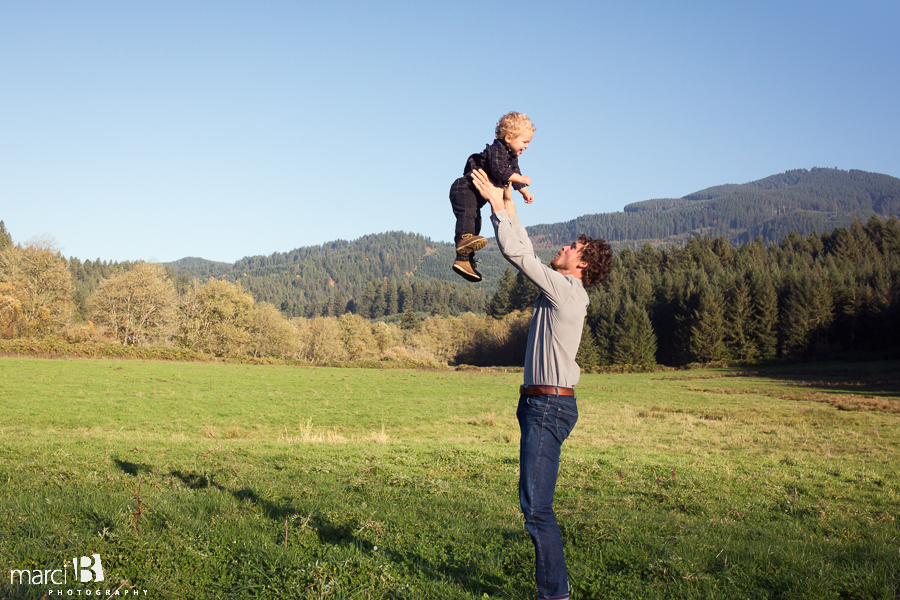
(547, 409)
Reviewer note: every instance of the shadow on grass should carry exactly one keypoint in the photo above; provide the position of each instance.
(880, 379)
(872, 386)
(343, 532)
(133, 469)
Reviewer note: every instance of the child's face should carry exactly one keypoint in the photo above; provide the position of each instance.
(519, 143)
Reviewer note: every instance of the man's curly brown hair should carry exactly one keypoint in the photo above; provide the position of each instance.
(598, 256)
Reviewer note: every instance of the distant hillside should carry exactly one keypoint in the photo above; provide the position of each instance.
(200, 268)
(337, 276)
(375, 274)
(801, 200)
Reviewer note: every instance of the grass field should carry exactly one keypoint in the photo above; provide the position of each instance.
(198, 480)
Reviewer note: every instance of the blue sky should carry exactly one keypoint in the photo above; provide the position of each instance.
(160, 130)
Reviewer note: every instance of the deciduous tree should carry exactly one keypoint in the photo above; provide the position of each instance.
(37, 277)
(215, 318)
(137, 307)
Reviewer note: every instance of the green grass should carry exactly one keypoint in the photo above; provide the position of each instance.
(201, 480)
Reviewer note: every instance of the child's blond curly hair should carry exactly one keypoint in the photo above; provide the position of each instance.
(512, 124)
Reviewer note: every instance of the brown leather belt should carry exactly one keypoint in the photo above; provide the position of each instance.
(545, 390)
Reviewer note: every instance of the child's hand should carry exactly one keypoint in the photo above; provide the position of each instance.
(529, 198)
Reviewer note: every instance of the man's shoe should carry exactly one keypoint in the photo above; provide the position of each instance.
(465, 266)
(469, 244)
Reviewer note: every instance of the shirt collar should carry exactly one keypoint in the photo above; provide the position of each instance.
(505, 147)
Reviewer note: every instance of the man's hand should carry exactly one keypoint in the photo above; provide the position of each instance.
(500, 198)
(527, 195)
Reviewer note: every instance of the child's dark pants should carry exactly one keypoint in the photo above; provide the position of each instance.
(467, 203)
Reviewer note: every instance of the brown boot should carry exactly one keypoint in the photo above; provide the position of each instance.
(465, 266)
(469, 244)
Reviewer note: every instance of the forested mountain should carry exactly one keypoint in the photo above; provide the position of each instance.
(802, 200)
(377, 274)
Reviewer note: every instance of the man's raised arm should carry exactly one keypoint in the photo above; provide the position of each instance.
(514, 243)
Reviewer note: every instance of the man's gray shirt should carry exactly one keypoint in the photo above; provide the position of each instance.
(559, 311)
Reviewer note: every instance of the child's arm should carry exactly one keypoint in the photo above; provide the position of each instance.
(519, 178)
(527, 195)
(501, 168)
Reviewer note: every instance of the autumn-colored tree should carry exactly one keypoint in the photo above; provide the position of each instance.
(137, 307)
(356, 337)
(320, 340)
(270, 333)
(36, 277)
(216, 318)
(11, 320)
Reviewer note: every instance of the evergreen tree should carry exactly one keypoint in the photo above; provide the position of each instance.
(391, 298)
(648, 259)
(409, 320)
(588, 357)
(852, 307)
(364, 306)
(808, 309)
(797, 323)
(499, 305)
(738, 318)
(635, 342)
(764, 319)
(523, 293)
(379, 305)
(686, 302)
(603, 316)
(663, 314)
(406, 297)
(708, 327)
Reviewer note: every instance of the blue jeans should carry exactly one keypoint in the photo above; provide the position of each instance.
(546, 422)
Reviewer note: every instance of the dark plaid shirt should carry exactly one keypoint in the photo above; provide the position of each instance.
(498, 161)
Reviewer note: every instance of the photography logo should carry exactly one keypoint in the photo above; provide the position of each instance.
(87, 569)
(91, 568)
(87, 573)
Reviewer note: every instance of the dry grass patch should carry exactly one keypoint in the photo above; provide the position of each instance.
(846, 401)
(488, 420)
(379, 437)
(310, 434)
(839, 401)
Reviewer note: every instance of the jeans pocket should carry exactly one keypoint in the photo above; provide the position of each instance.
(565, 422)
(537, 403)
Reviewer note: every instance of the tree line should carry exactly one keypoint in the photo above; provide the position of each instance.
(807, 297)
(146, 305)
(811, 296)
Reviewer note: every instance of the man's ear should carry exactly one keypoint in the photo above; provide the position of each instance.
(582, 265)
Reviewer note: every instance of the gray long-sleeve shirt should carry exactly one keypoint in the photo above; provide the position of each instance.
(559, 311)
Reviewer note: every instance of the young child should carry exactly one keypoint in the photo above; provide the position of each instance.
(500, 161)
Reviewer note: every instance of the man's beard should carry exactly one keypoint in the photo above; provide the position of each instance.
(554, 263)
